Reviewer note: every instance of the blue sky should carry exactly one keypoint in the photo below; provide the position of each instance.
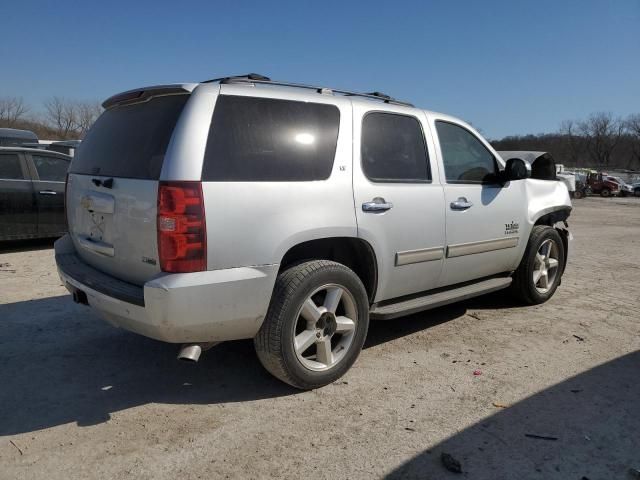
(509, 67)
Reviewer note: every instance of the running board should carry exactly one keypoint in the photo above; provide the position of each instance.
(437, 299)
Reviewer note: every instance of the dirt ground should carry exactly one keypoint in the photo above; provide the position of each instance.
(81, 399)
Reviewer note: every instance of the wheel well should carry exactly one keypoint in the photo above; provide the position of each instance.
(554, 217)
(354, 253)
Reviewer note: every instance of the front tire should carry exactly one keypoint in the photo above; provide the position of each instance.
(316, 324)
(605, 193)
(538, 275)
(578, 194)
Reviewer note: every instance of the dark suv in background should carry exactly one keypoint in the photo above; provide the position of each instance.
(32, 193)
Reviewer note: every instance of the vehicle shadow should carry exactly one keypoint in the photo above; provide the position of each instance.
(61, 363)
(382, 331)
(591, 423)
(9, 246)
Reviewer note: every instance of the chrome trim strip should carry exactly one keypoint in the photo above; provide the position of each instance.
(480, 247)
(420, 255)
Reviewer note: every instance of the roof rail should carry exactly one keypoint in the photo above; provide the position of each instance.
(261, 79)
(248, 77)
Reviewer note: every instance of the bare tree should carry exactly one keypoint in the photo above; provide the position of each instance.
(71, 119)
(87, 113)
(12, 110)
(632, 125)
(602, 133)
(62, 116)
(569, 130)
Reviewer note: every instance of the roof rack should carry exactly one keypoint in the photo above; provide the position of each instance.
(261, 79)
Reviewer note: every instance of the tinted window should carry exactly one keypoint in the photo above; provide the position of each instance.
(263, 139)
(10, 166)
(50, 168)
(465, 158)
(393, 149)
(130, 140)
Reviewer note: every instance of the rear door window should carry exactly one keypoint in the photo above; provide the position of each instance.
(10, 168)
(50, 168)
(393, 149)
(130, 140)
(268, 140)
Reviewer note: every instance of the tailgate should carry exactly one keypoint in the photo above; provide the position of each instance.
(112, 189)
(114, 229)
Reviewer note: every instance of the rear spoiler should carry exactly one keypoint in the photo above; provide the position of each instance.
(145, 93)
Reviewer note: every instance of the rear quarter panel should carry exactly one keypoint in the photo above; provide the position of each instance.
(255, 223)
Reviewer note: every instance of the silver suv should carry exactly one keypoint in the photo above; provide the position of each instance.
(246, 208)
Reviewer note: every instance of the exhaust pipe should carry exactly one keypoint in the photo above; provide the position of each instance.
(190, 352)
(80, 297)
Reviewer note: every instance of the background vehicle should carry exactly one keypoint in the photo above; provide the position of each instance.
(224, 210)
(68, 147)
(623, 187)
(582, 189)
(600, 185)
(11, 137)
(32, 193)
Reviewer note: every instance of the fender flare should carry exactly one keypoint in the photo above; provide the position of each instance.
(556, 217)
(552, 215)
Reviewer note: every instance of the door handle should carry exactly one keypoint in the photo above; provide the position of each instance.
(461, 204)
(377, 205)
(47, 192)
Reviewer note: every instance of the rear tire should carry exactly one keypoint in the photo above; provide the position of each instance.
(538, 275)
(316, 324)
(578, 194)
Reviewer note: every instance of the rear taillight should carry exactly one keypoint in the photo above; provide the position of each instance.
(182, 235)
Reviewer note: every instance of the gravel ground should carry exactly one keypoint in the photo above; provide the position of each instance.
(81, 399)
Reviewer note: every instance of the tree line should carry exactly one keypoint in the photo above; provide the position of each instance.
(600, 141)
(60, 118)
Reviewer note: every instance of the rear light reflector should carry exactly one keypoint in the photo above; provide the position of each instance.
(181, 223)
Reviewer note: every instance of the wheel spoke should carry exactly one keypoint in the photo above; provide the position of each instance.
(553, 263)
(547, 250)
(345, 325)
(544, 280)
(304, 340)
(539, 259)
(536, 276)
(323, 351)
(332, 300)
(310, 311)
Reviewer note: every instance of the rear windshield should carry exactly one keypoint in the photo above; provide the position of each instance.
(131, 140)
(269, 140)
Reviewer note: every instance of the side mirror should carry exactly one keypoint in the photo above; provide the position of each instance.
(516, 169)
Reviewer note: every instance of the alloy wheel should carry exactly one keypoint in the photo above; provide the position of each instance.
(546, 266)
(325, 327)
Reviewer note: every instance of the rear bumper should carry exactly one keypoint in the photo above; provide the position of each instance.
(209, 306)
